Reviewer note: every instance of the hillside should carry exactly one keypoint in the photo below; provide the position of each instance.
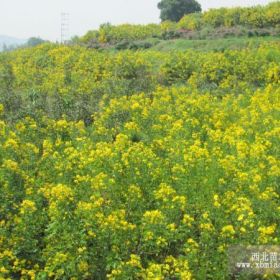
(258, 21)
(10, 41)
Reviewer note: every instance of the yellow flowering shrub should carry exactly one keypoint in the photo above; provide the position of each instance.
(252, 17)
(138, 165)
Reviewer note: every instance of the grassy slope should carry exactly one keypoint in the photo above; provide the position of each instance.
(213, 44)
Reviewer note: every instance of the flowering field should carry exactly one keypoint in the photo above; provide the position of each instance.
(136, 165)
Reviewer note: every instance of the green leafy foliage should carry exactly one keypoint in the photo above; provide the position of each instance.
(174, 10)
(264, 19)
(137, 164)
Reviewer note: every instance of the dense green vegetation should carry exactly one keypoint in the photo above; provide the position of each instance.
(258, 21)
(124, 163)
(174, 10)
(72, 80)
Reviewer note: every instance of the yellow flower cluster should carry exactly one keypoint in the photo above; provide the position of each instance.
(157, 184)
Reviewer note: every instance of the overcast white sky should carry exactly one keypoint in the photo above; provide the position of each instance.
(26, 18)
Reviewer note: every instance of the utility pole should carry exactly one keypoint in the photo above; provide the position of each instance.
(64, 28)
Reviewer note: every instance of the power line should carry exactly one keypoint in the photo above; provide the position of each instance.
(65, 27)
